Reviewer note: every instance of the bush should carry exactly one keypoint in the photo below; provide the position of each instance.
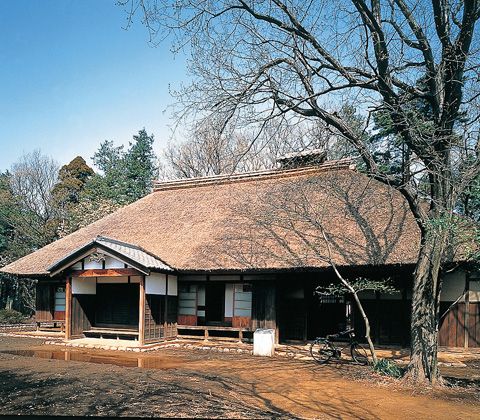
(10, 316)
(388, 368)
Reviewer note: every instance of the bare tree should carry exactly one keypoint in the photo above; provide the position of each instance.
(214, 148)
(34, 213)
(254, 61)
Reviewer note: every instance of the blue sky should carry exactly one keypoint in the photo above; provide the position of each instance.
(71, 77)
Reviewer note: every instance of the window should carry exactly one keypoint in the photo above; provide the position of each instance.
(60, 299)
(332, 299)
(242, 300)
(187, 299)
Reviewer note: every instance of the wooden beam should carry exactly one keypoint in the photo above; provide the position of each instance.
(68, 309)
(111, 272)
(141, 320)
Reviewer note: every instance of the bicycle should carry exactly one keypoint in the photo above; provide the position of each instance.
(323, 348)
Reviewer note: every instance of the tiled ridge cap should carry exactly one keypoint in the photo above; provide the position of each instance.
(249, 176)
(101, 238)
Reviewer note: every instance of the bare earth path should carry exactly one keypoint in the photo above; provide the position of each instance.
(188, 383)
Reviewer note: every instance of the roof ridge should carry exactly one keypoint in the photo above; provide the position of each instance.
(346, 163)
(116, 241)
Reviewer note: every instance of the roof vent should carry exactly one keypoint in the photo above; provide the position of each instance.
(294, 160)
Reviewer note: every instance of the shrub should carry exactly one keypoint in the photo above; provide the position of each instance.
(10, 316)
(388, 368)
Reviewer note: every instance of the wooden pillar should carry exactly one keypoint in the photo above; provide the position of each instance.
(467, 308)
(405, 328)
(165, 309)
(376, 340)
(68, 309)
(141, 318)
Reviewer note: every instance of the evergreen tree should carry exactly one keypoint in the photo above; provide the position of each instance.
(126, 175)
(141, 166)
(73, 178)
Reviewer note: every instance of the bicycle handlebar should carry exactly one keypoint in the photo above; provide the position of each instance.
(341, 333)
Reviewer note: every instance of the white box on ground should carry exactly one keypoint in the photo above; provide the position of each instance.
(264, 342)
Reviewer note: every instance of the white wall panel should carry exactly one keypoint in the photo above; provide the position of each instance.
(84, 285)
(77, 265)
(92, 265)
(113, 279)
(172, 285)
(453, 286)
(113, 263)
(228, 300)
(474, 290)
(156, 284)
(201, 295)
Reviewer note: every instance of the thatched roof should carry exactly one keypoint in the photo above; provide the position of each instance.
(240, 223)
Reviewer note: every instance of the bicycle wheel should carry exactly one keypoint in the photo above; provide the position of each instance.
(321, 350)
(359, 354)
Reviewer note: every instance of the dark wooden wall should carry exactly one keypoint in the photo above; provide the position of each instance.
(160, 317)
(44, 302)
(172, 315)
(264, 307)
(389, 321)
(474, 325)
(83, 313)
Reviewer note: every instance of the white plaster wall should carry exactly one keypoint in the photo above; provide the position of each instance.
(172, 285)
(453, 286)
(92, 265)
(77, 265)
(156, 284)
(228, 300)
(84, 285)
(201, 295)
(113, 279)
(113, 263)
(475, 290)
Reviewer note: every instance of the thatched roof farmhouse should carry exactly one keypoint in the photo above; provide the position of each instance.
(233, 253)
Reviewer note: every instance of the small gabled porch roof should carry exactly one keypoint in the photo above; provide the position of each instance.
(133, 255)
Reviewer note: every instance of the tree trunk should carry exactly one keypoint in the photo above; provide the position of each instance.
(367, 328)
(423, 364)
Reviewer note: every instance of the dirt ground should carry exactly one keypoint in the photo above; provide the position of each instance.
(177, 382)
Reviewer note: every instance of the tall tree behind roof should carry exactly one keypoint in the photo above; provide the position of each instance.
(73, 178)
(254, 61)
(141, 166)
(126, 175)
(214, 149)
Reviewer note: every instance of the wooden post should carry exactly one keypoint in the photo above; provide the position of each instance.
(141, 318)
(405, 328)
(68, 309)
(165, 309)
(467, 308)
